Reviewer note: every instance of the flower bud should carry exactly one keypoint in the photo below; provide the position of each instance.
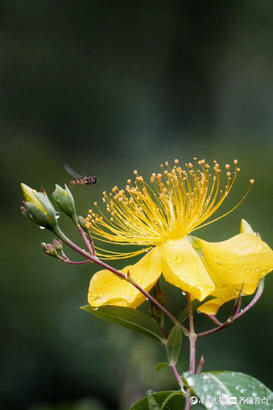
(58, 244)
(49, 249)
(65, 201)
(38, 207)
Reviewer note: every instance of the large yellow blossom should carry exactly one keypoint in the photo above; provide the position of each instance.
(158, 217)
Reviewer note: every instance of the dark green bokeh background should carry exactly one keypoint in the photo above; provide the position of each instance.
(109, 87)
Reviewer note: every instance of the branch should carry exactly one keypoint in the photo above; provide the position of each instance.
(121, 275)
(235, 314)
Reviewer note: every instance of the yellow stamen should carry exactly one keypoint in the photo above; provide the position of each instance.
(175, 203)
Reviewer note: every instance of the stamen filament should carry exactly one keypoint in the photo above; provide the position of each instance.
(175, 203)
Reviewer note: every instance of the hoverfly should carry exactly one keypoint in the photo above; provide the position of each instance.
(80, 179)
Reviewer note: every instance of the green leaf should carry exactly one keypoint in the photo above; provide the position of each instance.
(174, 344)
(167, 400)
(238, 391)
(130, 318)
(160, 366)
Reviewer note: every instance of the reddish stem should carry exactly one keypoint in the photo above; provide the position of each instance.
(192, 340)
(200, 365)
(155, 302)
(67, 260)
(257, 296)
(214, 319)
(91, 243)
(177, 376)
(192, 335)
(124, 276)
(237, 314)
(85, 240)
(172, 364)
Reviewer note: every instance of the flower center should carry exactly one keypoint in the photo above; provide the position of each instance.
(175, 203)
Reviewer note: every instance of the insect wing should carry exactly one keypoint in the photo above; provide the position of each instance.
(72, 173)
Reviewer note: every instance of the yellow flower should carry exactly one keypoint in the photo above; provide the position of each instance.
(159, 217)
(235, 264)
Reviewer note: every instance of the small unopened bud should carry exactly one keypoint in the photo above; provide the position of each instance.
(38, 208)
(65, 201)
(49, 249)
(44, 246)
(58, 244)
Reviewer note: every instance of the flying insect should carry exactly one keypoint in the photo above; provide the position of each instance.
(80, 179)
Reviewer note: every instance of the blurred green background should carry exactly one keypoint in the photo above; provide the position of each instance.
(108, 87)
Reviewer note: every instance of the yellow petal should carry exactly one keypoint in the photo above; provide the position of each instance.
(108, 289)
(242, 258)
(29, 195)
(183, 268)
(224, 295)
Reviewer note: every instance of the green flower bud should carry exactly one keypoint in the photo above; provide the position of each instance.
(65, 201)
(38, 207)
